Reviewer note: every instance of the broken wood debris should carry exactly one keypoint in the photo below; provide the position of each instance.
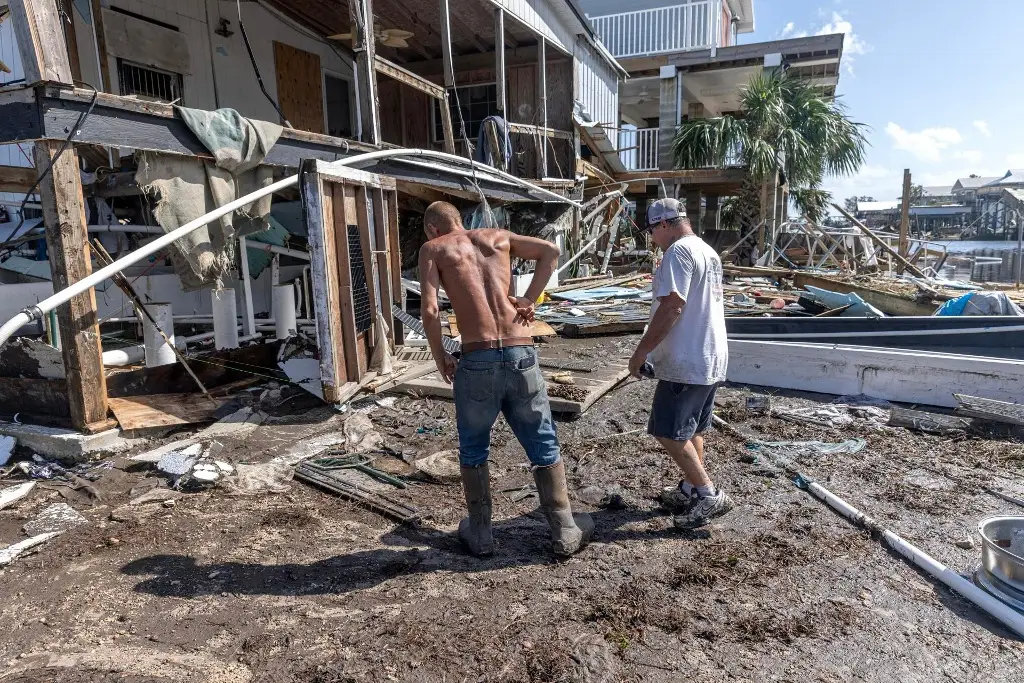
(334, 481)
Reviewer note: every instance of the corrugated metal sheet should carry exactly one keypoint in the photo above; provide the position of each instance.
(598, 83)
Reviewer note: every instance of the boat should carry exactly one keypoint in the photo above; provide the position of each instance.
(985, 336)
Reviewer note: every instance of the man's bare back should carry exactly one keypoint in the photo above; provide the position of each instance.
(475, 269)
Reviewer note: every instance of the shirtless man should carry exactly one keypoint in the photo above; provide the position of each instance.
(498, 370)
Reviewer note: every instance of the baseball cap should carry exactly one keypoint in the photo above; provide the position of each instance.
(664, 210)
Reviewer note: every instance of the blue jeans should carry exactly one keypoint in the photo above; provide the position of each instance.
(509, 381)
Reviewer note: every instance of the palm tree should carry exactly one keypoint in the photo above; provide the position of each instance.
(784, 126)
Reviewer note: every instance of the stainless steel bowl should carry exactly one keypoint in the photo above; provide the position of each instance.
(996, 557)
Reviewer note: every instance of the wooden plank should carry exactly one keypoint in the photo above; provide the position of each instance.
(904, 247)
(499, 60)
(542, 101)
(71, 38)
(881, 243)
(931, 423)
(344, 213)
(888, 303)
(574, 331)
(382, 256)
(17, 179)
(382, 384)
(164, 410)
(395, 257)
(96, 10)
(67, 242)
(40, 39)
(364, 46)
(367, 237)
(527, 129)
(406, 77)
(988, 409)
(299, 87)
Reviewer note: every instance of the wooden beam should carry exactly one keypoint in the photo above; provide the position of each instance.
(361, 13)
(881, 243)
(523, 56)
(406, 77)
(40, 38)
(446, 125)
(71, 38)
(446, 46)
(698, 176)
(542, 99)
(527, 129)
(904, 246)
(500, 77)
(17, 179)
(67, 241)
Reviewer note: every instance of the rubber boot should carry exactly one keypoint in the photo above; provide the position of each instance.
(569, 532)
(475, 530)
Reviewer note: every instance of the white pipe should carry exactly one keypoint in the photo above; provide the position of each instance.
(274, 249)
(38, 310)
(131, 355)
(225, 315)
(997, 609)
(158, 351)
(285, 324)
(587, 247)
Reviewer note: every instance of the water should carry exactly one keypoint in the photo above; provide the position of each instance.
(1004, 271)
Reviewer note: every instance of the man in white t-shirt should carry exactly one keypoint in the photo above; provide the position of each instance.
(685, 348)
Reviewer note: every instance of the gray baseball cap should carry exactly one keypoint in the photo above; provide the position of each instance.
(664, 210)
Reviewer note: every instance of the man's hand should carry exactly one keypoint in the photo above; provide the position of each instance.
(524, 309)
(636, 362)
(446, 365)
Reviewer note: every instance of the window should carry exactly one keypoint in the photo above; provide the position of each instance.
(338, 105)
(477, 101)
(148, 83)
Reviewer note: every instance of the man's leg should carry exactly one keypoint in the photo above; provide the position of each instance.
(477, 402)
(687, 456)
(528, 413)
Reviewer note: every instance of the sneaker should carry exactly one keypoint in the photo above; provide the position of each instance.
(673, 498)
(703, 510)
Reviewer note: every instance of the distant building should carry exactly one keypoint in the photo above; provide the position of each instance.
(995, 213)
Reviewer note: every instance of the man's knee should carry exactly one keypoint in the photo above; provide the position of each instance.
(472, 458)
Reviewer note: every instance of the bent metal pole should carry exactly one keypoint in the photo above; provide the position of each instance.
(40, 309)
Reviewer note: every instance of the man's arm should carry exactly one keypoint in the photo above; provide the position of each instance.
(670, 307)
(430, 282)
(546, 255)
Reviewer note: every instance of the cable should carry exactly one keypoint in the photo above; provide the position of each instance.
(256, 68)
(49, 167)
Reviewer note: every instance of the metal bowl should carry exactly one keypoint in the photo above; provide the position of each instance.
(997, 558)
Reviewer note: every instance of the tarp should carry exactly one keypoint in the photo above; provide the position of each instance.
(858, 307)
(981, 303)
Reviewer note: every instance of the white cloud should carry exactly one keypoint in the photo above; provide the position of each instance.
(982, 127)
(789, 31)
(881, 182)
(1015, 160)
(971, 156)
(926, 145)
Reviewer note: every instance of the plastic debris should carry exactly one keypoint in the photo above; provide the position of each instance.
(811, 448)
(41, 468)
(58, 518)
(8, 554)
(360, 434)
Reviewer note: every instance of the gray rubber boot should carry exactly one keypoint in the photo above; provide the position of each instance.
(475, 530)
(569, 532)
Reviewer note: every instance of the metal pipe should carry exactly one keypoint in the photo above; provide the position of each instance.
(38, 310)
(274, 249)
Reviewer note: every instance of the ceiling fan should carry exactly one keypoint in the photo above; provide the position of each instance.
(390, 37)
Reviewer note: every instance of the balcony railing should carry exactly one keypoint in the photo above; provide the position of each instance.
(693, 26)
(638, 149)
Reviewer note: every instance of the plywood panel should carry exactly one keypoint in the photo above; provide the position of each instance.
(299, 87)
(164, 410)
(391, 93)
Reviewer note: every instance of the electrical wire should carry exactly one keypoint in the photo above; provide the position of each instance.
(256, 68)
(49, 167)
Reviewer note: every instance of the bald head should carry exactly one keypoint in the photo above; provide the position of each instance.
(441, 218)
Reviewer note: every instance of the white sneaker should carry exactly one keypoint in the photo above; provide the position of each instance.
(703, 510)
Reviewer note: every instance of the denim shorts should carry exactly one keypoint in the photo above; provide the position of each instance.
(681, 411)
(506, 381)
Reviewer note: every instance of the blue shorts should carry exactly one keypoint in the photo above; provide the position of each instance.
(507, 381)
(681, 411)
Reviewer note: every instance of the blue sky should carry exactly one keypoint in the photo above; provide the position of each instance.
(934, 79)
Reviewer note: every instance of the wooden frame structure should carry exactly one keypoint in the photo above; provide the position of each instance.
(347, 210)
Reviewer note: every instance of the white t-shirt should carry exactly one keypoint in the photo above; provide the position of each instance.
(696, 350)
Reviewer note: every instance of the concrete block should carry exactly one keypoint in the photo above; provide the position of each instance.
(65, 445)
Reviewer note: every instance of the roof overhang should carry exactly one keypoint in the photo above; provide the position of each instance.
(794, 51)
(744, 11)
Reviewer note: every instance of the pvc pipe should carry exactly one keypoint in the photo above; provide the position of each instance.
(285, 324)
(274, 249)
(158, 351)
(225, 316)
(995, 608)
(38, 310)
(587, 247)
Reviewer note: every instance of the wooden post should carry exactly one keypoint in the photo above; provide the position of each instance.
(449, 80)
(67, 241)
(71, 38)
(37, 28)
(101, 44)
(542, 99)
(710, 212)
(361, 13)
(499, 59)
(904, 246)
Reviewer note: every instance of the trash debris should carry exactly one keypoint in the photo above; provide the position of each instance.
(442, 466)
(759, 404)
(6, 448)
(305, 372)
(334, 481)
(786, 450)
(154, 456)
(360, 434)
(157, 495)
(180, 462)
(269, 477)
(41, 468)
(58, 518)
(359, 462)
(563, 378)
(238, 424)
(13, 494)
(8, 554)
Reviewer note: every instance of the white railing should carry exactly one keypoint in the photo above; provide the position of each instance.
(693, 26)
(638, 149)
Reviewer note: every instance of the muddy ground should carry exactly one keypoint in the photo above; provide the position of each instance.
(302, 586)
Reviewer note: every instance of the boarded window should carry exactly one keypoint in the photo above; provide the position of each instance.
(148, 83)
(299, 87)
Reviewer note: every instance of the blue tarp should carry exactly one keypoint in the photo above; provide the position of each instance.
(980, 303)
(859, 307)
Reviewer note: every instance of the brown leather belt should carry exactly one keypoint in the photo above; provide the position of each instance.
(497, 344)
